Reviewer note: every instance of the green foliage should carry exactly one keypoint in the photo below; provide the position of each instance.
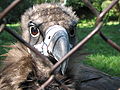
(105, 4)
(78, 6)
(103, 56)
(15, 14)
(113, 13)
(97, 3)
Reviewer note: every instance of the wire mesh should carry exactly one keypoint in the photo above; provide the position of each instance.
(98, 26)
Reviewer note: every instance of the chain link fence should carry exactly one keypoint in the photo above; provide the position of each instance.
(97, 30)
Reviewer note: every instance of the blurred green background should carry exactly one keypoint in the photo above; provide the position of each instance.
(81, 10)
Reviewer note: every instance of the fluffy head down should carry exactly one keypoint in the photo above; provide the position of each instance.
(48, 15)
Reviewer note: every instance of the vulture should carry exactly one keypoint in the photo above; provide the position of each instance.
(50, 28)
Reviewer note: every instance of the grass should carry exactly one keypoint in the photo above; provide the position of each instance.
(7, 39)
(103, 56)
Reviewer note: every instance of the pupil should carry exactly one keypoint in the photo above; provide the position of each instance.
(34, 31)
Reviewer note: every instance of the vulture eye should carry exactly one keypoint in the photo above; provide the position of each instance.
(34, 31)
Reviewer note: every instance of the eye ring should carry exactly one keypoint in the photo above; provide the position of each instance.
(34, 31)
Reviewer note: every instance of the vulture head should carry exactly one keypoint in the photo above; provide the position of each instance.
(50, 28)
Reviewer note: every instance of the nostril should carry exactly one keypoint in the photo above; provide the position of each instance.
(72, 33)
(49, 37)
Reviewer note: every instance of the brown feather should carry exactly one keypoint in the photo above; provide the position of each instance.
(18, 66)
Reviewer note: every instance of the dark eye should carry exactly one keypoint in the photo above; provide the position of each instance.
(34, 31)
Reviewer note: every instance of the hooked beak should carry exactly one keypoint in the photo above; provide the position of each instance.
(60, 45)
(60, 49)
(57, 44)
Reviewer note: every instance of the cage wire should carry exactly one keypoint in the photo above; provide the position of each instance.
(98, 26)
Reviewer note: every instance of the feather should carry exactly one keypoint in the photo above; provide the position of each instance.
(19, 65)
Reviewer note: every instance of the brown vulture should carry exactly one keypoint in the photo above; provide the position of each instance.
(50, 28)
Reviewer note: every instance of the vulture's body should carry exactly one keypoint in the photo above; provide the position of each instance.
(50, 27)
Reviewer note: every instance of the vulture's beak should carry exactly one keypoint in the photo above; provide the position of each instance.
(55, 44)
